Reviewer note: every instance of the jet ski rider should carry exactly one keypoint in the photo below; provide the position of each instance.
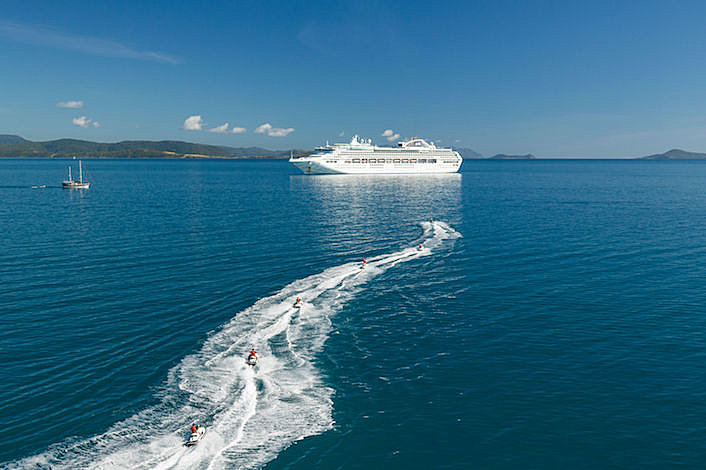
(252, 354)
(194, 428)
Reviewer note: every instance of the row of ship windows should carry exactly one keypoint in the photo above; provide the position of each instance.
(390, 160)
(398, 151)
(397, 154)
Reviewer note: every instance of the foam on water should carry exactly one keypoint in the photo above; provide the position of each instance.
(251, 414)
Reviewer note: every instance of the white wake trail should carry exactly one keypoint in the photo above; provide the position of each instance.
(251, 414)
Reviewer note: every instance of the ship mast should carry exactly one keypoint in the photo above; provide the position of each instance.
(80, 172)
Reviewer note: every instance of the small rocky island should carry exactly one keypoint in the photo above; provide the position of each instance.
(675, 154)
(502, 156)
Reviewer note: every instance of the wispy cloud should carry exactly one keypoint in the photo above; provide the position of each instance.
(341, 134)
(390, 135)
(84, 122)
(69, 104)
(48, 37)
(273, 131)
(193, 123)
(238, 130)
(346, 32)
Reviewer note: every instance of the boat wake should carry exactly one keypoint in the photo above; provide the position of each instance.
(251, 413)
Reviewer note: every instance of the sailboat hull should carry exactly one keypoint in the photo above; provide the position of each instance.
(75, 185)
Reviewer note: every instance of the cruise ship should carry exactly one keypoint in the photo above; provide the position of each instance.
(362, 157)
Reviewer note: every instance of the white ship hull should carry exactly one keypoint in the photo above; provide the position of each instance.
(413, 157)
(313, 167)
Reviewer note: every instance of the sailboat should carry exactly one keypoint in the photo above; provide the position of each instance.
(72, 184)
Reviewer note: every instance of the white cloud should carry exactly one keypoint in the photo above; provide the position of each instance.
(220, 129)
(390, 135)
(279, 132)
(341, 134)
(69, 104)
(84, 122)
(196, 123)
(263, 128)
(273, 131)
(48, 37)
(193, 123)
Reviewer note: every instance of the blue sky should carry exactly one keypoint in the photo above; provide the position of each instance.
(557, 79)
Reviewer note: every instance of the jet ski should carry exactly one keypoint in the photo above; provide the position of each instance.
(297, 303)
(251, 360)
(362, 265)
(195, 437)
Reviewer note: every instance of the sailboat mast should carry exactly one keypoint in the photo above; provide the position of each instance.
(69, 173)
(80, 172)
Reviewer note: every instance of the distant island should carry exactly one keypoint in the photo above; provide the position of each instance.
(675, 154)
(468, 153)
(502, 156)
(14, 146)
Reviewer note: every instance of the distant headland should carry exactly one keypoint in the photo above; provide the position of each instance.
(468, 153)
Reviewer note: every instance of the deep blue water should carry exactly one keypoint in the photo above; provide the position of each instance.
(556, 317)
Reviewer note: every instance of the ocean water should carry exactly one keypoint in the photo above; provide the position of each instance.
(555, 317)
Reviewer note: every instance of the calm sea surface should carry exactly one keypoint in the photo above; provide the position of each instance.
(555, 318)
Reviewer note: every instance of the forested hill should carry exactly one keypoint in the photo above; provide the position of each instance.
(12, 146)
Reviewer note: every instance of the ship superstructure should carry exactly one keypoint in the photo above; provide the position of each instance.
(361, 156)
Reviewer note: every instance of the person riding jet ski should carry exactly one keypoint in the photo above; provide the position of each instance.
(298, 303)
(362, 265)
(197, 432)
(252, 358)
(420, 247)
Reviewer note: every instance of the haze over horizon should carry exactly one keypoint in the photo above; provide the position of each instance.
(551, 79)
